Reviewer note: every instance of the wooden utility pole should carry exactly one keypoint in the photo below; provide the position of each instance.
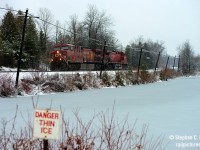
(138, 70)
(103, 57)
(174, 63)
(167, 63)
(179, 63)
(157, 63)
(21, 48)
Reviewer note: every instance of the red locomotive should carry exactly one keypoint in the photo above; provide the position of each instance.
(70, 57)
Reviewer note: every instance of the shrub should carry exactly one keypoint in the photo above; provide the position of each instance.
(7, 86)
(152, 77)
(166, 74)
(38, 77)
(90, 81)
(131, 77)
(119, 79)
(69, 83)
(78, 82)
(106, 79)
(53, 87)
(26, 86)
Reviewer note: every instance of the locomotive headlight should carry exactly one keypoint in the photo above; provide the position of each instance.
(60, 59)
(57, 52)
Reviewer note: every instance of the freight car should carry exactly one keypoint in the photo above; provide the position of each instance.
(70, 57)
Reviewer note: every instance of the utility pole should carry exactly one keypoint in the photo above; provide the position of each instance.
(157, 63)
(174, 63)
(179, 63)
(103, 57)
(138, 71)
(167, 63)
(21, 48)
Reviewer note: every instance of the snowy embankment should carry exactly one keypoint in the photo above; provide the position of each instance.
(34, 83)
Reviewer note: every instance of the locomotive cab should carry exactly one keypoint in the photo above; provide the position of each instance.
(60, 51)
(64, 56)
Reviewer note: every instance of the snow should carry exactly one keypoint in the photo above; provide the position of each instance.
(170, 108)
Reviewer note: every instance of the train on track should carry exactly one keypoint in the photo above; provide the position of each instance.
(71, 57)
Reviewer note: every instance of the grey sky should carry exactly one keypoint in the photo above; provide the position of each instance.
(170, 21)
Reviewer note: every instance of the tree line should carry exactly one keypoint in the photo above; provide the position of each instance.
(41, 34)
(96, 27)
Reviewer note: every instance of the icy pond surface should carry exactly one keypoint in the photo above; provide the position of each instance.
(171, 109)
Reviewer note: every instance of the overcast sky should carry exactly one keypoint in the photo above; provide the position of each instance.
(170, 21)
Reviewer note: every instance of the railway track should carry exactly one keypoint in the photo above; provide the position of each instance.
(82, 71)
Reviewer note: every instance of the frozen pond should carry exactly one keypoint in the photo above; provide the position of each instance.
(171, 108)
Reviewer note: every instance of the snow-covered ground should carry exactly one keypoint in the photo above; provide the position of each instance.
(171, 109)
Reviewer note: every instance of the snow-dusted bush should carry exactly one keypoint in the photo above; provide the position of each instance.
(144, 76)
(153, 77)
(166, 74)
(119, 79)
(53, 86)
(106, 79)
(78, 82)
(26, 85)
(91, 81)
(130, 77)
(68, 82)
(7, 86)
(38, 77)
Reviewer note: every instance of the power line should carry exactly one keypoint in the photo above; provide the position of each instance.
(144, 50)
(9, 9)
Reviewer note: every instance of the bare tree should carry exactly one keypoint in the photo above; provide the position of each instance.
(187, 58)
(46, 17)
(57, 30)
(73, 26)
(97, 25)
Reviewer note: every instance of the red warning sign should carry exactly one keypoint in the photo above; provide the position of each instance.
(46, 124)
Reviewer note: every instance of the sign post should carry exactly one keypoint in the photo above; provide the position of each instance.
(46, 125)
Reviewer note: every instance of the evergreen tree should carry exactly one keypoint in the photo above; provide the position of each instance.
(10, 40)
(31, 45)
(41, 46)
